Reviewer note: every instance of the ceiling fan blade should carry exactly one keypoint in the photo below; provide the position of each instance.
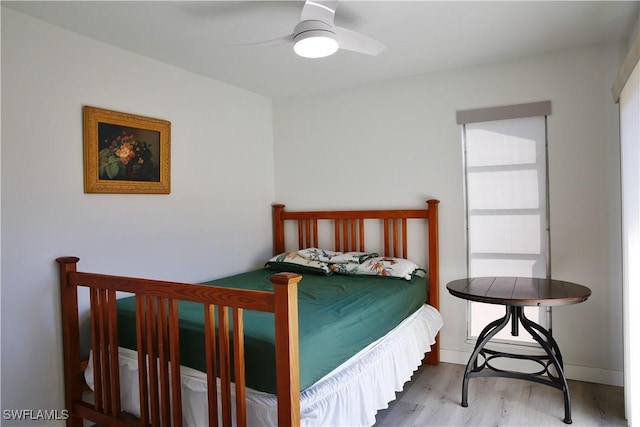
(319, 10)
(278, 40)
(356, 42)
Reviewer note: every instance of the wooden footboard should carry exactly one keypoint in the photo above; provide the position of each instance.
(157, 335)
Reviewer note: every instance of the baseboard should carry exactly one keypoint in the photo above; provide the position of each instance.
(594, 375)
(573, 372)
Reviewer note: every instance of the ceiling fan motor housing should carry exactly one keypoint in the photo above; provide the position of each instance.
(317, 28)
(314, 39)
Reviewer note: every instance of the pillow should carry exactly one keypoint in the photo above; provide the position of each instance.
(316, 254)
(335, 257)
(354, 257)
(294, 263)
(381, 266)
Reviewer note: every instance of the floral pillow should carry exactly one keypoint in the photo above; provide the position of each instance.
(293, 262)
(381, 266)
(332, 257)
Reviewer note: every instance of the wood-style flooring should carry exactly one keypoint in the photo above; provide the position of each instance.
(432, 398)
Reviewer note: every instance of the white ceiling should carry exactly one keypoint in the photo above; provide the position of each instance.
(421, 36)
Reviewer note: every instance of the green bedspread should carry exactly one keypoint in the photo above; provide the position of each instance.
(338, 316)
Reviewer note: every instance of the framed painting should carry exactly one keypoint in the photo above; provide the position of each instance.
(125, 153)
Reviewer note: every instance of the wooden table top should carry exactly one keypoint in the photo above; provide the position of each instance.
(519, 291)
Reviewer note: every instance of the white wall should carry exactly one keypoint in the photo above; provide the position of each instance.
(633, 34)
(216, 221)
(396, 143)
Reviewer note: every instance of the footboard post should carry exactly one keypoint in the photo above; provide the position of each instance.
(285, 287)
(70, 344)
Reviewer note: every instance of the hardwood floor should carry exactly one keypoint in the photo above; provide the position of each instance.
(432, 398)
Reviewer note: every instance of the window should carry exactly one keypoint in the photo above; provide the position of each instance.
(630, 165)
(505, 166)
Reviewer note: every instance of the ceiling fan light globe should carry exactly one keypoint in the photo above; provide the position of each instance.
(315, 44)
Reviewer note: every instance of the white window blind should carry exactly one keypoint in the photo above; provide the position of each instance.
(630, 155)
(505, 164)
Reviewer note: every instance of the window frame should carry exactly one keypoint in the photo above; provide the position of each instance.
(465, 117)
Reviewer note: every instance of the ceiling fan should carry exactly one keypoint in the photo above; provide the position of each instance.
(316, 36)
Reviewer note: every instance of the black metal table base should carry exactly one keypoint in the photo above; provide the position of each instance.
(553, 357)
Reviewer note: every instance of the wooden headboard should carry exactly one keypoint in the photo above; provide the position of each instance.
(349, 235)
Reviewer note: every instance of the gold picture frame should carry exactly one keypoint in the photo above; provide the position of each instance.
(126, 153)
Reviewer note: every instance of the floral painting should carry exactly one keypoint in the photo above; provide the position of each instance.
(125, 153)
(128, 154)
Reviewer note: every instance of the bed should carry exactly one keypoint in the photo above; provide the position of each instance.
(254, 348)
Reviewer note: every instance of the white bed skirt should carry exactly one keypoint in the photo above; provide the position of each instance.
(350, 395)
